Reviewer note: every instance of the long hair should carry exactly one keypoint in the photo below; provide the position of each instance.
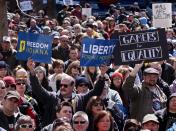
(99, 116)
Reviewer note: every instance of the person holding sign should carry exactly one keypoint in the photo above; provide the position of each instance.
(146, 97)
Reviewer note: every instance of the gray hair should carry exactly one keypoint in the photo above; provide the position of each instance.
(81, 114)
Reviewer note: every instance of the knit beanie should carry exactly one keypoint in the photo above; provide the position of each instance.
(41, 68)
(117, 74)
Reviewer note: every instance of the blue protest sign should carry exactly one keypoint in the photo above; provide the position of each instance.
(36, 46)
(96, 51)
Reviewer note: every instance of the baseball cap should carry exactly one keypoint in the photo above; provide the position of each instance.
(9, 80)
(151, 71)
(12, 94)
(150, 117)
(6, 39)
(3, 64)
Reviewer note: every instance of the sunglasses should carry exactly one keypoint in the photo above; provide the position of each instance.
(64, 85)
(79, 122)
(20, 83)
(13, 87)
(26, 126)
(96, 104)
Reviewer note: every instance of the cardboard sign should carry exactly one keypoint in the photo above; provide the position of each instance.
(134, 47)
(36, 46)
(26, 5)
(162, 15)
(96, 51)
(87, 11)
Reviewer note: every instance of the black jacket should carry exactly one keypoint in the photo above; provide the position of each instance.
(51, 99)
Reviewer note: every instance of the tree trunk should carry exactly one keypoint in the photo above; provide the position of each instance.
(3, 19)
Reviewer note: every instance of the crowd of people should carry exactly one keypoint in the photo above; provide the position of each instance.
(63, 96)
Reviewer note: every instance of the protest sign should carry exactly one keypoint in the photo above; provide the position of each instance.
(87, 11)
(162, 15)
(134, 47)
(36, 46)
(26, 5)
(68, 2)
(96, 51)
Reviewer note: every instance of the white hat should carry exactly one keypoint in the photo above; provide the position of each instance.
(6, 39)
(150, 117)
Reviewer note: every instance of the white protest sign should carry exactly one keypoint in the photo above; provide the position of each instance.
(26, 5)
(87, 11)
(45, 1)
(162, 15)
(68, 2)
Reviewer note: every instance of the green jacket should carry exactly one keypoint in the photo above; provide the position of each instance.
(141, 98)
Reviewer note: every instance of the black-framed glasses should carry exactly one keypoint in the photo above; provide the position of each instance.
(26, 126)
(96, 104)
(79, 122)
(64, 85)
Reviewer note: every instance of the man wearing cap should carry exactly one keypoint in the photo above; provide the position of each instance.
(7, 53)
(167, 116)
(150, 122)
(8, 117)
(146, 97)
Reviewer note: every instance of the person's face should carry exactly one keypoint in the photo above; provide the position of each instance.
(20, 87)
(73, 54)
(39, 74)
(82, 88)
(14, 44)
(80, 124)
(151, 125)
(151, 79)
(91, 69)
(75, 70)
(97, 107)
(5, 45)
(104, 124)
(103, 69)
(64, 41)
(26, 127)
(10, 104)
(89, 31)
(117, 81)
(59, 69)
(3, 72)
(77, 29)
(66, 88)
(172, 105)
(2, 90)
(66, 111)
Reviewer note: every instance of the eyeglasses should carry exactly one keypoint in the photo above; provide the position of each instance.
(79, 122)
(26, 126)
(64, 85)
(12, 86)
(40, 72)
(83, 85)
(96, 104)
(20, 83)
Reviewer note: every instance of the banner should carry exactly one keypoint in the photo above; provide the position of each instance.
(68, 2)
(36, 46)
(26, 5)
(162, 15)
(87, 11)
(134, 47)
(96, 51)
